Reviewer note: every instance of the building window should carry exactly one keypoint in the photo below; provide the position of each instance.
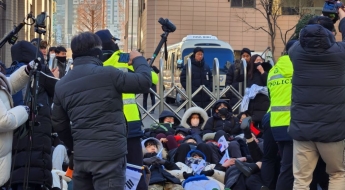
(243, 3)
(296, 7)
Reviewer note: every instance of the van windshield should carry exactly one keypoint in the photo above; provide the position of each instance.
(225, 57)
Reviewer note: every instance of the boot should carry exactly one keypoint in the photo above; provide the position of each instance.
(247, 168)
(245, 126)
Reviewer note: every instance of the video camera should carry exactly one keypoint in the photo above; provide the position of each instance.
(330, 9)
(12, 36)
(167, 26)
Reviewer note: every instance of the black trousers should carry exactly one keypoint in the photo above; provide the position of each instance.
(152, 96)
(285, 178)
(270, 160)
(135, 156)
(100, 175)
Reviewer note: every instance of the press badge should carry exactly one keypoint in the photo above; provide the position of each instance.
(207, 76)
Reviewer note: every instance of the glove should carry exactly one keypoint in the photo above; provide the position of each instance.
(160, 161)
(208, 172)
(27, 109)
(150, 161)
(33, 65)
(187, 175)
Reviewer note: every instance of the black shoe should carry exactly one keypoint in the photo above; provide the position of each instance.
(264, 188)
(246, 168)
(245, 126)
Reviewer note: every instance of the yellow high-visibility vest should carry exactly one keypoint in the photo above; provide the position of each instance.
(130, 107)
(279, 83)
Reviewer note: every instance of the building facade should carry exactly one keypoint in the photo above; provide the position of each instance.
(13, 12)
(228, 20)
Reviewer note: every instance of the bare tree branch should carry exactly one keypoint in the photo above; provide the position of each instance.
(90, 16)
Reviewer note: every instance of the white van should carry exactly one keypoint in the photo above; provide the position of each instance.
(179, 53)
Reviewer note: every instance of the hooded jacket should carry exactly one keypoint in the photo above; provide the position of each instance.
(215, 123)
(201, 75)
(158, 173)
(318, 86)
(10, 118)
(90, 98)
(41, 161)
(203, 117)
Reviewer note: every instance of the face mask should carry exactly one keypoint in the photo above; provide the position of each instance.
(194, 122)
(61, 59)
(223, 111)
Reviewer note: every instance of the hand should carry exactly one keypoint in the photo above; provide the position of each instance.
(149, 161)
(132, 56)
(260, 69)
(33, 65)
(27, 109)
(163, 140)
(160, 161)
(229, 162)
(56, 72)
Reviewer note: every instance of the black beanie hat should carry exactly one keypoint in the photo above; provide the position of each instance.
(197, 49)
(246, 50)
(107, 42)
(289, 45)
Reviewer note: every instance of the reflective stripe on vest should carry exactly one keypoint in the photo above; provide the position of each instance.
(280, 87)
(130, 108)
(129, 101)
(280, 108)
(276, 77)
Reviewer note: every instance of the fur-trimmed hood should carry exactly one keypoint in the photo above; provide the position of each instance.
(190, 112)
(161, 149)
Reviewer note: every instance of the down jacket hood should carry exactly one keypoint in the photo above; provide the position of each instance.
(165, 114)
(315, 38)
(24, 52)
(160, 147)
(217, 104)
(186, 117)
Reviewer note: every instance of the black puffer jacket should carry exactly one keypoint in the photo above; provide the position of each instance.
(201, 75)
(215, 123)
(258, 106)
(41, 161)
(318, 86)
(90, 97)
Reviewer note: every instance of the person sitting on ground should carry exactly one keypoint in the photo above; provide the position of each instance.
(167, 124)
(195, 119)
(154, 158)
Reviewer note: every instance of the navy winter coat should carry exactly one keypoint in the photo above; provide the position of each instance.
(318, 86)
(201, 75)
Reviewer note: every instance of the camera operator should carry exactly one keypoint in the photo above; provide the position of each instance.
(10, 117)
(318, 105)
(41, 162)
(111, 57)
(90, 98)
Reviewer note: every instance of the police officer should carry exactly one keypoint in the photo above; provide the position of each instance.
(111, 56)
(279, 85)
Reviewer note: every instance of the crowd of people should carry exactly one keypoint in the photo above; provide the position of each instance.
(86, 127)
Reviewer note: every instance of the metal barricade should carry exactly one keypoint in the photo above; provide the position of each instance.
(188, 94)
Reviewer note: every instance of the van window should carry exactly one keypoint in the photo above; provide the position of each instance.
(224, 55)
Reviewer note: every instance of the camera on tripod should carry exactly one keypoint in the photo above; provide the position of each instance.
(167, 26)
(40, 23)
(330, 9)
